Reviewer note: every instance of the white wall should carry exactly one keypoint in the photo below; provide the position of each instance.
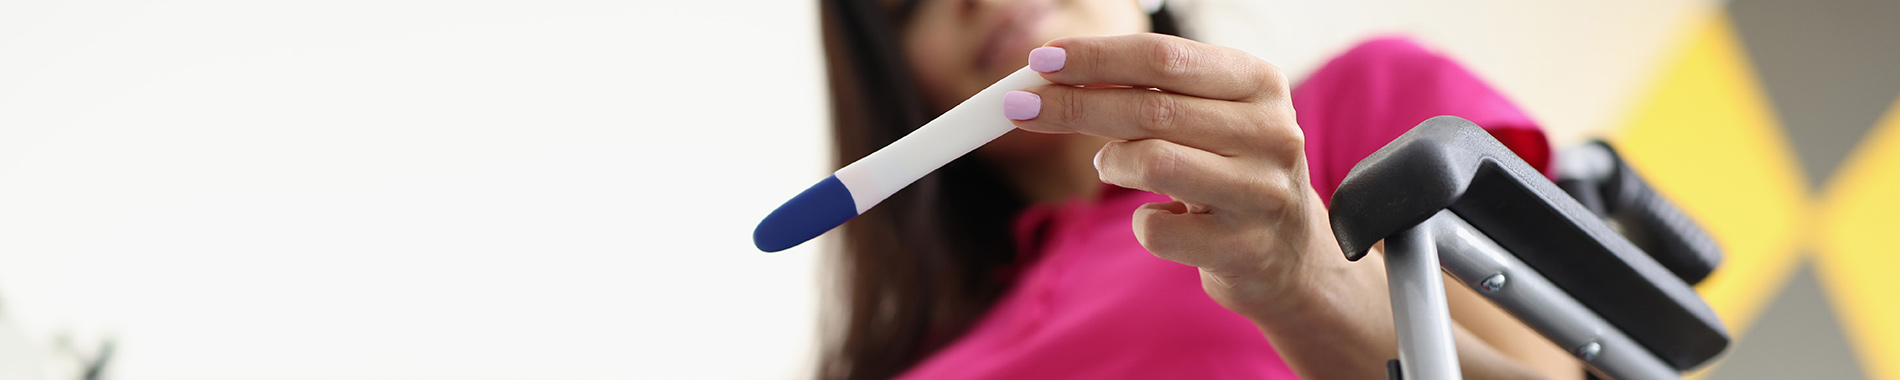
(409, 189)
(1576, 66)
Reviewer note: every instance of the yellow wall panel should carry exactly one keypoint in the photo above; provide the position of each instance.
(1706, 136)
(1858, 258)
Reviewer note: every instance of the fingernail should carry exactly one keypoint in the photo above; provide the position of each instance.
(1098, 159)
(1047, 59)
(1021, 105)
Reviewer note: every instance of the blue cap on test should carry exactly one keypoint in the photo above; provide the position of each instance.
(819, 208)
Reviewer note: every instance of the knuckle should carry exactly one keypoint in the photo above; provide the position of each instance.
(1279, 186)
(1159, 167)
(1093, 52)
(1074, 109)
(1288, 140)
(1275, 131)
(1266, 79)
(1269, 81)
(1156, 112)
(1294, 137)
(1173, 59)
(1271, 74)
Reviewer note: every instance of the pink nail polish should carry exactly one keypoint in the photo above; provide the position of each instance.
(1021, 105)
(1047, 59)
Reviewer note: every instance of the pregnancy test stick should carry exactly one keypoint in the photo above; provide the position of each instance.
(862, 184)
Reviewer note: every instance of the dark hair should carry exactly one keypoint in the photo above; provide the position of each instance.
(914, 272)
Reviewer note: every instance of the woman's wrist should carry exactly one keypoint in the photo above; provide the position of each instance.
(1336, 327)
(1317, 281)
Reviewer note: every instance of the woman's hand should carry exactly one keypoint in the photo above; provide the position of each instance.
(1213, 128)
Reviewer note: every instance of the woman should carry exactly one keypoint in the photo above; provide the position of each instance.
(1042, 255)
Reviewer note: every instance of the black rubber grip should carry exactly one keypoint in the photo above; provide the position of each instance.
(1656, 225)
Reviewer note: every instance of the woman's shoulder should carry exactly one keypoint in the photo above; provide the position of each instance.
(1398, 65)
(1380, 88)
(1393, 52)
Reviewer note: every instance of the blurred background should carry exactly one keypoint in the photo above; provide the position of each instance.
(433, 189)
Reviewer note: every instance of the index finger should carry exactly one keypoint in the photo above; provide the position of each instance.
(1170, 63)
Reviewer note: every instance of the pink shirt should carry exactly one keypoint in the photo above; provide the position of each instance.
(1091, 303)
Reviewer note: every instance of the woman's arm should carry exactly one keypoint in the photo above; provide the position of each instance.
(1342, 327)
(1498, 329)
(1215, 129)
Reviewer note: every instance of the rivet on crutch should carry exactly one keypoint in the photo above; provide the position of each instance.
(1589, 351)
(1493, 283)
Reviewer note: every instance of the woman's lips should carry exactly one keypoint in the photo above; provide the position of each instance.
(1010, 35)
